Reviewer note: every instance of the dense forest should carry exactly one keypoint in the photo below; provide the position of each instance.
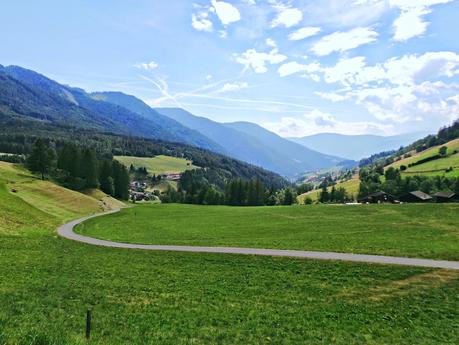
(79, 168)
(202, 187)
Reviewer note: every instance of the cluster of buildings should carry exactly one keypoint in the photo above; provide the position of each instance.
(138, 189)
(415, 196)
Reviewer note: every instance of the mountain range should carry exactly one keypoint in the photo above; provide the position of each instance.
(355, 147)
(26, 95)
(30, 95)
(254, 144)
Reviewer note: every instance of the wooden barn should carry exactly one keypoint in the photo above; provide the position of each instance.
(378, 198)
(445, 196)
(416, 196)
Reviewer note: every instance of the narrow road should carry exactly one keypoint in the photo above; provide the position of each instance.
(66, 231)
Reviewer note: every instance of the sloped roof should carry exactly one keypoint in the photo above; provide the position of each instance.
(421, 195)
(445, 194)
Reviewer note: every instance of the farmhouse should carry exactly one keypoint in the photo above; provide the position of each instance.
(378, 198)
(171, 176)
(416, 196)
(445, 196)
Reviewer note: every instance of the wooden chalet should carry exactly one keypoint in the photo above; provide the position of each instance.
(416, 196)
(378, 198)
(445, 196)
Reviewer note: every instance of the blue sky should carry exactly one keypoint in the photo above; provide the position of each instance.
(295, 67)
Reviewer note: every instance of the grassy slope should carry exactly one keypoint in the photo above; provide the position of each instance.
(158, 164)
(430, 231)
(451, 161)
(433, 168)
(351, 186)
(171, 298)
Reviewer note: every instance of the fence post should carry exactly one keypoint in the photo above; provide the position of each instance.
(88, 323)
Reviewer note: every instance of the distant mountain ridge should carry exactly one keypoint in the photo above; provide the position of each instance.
(30, 95)
(355, 147)
(256, 145)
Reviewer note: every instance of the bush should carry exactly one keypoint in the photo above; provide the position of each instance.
(307, 201)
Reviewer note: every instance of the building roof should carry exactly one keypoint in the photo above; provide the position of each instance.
(421, 195)
(447, 195)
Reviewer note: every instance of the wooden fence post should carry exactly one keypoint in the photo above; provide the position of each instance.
(88, 324)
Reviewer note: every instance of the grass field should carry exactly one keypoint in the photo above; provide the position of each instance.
(158, 164)
(137, 297)
(430, 231)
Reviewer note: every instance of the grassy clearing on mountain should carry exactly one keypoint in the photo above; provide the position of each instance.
(351, 186)
(434, 167)
(158, 164)
(140, 297)
(415, 230)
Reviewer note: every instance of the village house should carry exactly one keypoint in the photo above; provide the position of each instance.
(445, 197)
(416, 196)
(378, 198)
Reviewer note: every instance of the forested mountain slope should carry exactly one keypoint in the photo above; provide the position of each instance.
(255, 145)
(32, 96)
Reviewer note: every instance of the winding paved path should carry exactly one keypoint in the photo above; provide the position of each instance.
(66, 231)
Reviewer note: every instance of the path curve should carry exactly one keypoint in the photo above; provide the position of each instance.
(66, 231)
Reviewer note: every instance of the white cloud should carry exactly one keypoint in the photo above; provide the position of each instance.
(287, 16)
(271, 43)
(411, 21)
(403, 90)
(258, 60)
(229, 87)
(343, 41)
(226, 12)
(345, 13)
(317, 121)
(148, 66)
(295, 67)
(201, 22)
(303, 33)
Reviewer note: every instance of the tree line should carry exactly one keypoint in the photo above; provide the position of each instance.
(374, 179)
(202, 186)
(79, 168)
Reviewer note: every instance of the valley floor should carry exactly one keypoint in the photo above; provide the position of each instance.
(47, 284)
(410, 230)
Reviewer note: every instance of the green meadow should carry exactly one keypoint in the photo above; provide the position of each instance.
(413, 230)
(140, 297)
(158, 164)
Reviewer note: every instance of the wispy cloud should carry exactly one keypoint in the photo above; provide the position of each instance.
(343, 41)
(148, 66)
(303, 33)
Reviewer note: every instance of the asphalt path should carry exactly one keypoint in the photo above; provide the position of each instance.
(67, 232)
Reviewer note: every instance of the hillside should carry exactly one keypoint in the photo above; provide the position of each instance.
(18, 137)
(354, 146)
(30, 96)
(444, 166)
(253, 144)
(50, 198)
(178, 132)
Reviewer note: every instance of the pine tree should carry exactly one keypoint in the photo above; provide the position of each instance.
(106, 179)
(121, 180)
(89, 169)
(42, 158)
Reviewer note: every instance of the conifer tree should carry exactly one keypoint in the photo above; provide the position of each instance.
(42, 158)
